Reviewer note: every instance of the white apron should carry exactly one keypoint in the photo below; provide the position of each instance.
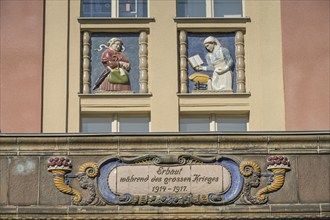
(223, 81)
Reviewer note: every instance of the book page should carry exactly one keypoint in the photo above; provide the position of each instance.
(195, 61)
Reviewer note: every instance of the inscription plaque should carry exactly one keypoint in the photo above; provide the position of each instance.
(162, 180)
(169, 180)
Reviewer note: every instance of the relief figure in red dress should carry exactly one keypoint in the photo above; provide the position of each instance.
(117, 62)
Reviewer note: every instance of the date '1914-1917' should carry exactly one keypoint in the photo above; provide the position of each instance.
(174, 189)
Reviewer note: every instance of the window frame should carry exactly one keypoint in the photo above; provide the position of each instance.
(114, 10)
(213, 117)
(115, 122)
(209, 10)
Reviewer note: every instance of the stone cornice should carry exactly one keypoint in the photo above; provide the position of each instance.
(282, 211)
(207, 143)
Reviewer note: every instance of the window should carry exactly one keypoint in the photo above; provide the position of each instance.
(231, 123)
(227, 8)
(129, 8)
(96, 124)
(96, 8)
(213, 122)
(197, 123)
(115, 123)
(209, 8)
(191, 8)
(114, 8)
(132, 123)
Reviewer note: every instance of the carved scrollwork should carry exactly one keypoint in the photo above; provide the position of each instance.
(215, 198)
(201, 199)
(95, 180)
(166, 167)
(278, 165)
(177, 160)
(248, 167)
(61, 168)
(156, 160)
(171, 200)
(91, 169)
(134, 160)
(182, 160)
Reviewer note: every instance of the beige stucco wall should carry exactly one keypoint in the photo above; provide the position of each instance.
(163, 67)
(265, 104)
(21, 48)
(306, 55)
(264, 65)
(56, 66)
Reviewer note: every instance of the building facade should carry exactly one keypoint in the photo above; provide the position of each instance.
(50, 86)
(238, 80)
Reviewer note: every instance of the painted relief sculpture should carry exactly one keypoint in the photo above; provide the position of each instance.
(115, 77)
(61, 167)
(219, 61)
(278, 165)
(168, 180)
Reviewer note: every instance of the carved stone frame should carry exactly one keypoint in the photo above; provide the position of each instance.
(228, 197)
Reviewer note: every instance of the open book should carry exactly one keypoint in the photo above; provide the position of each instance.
(195, 61)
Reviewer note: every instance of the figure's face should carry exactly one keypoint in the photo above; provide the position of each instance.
(116, 46)
(209, 46)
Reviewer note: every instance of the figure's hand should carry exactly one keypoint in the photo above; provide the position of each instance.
(199, 68)
(220, 70)
(124, 65)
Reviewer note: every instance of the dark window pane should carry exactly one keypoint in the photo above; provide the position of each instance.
(200, 123)
(96, 8)
(228, 8)
(190, 8)
(232, 123)
(133, 8)
(133, 123)
(96, 124)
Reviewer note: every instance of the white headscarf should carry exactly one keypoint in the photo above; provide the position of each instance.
(110, 42)
(212, 39)
(113, 40)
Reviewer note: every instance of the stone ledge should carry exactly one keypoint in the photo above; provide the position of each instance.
(101, 144)
(62, 210)
(212, 20)
(295, 208)
(325, 207)
(193, 212)
(8, 210)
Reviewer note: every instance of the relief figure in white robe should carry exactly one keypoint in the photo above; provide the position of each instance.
(221, 63)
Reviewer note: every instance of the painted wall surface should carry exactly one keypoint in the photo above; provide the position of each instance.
(305, 32)
(21, 66)
(263, 61)
(55, 94)
(306, 74)
(264, 78)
